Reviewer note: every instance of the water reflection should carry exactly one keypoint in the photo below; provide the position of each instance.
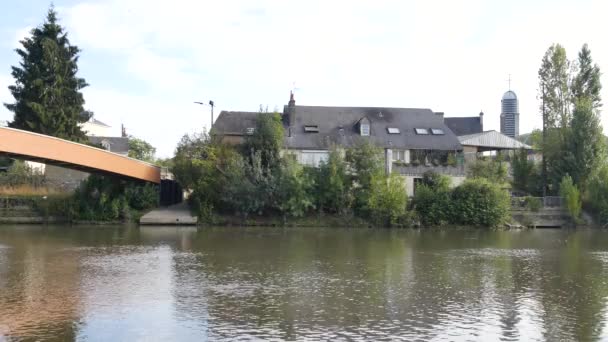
(183, 284)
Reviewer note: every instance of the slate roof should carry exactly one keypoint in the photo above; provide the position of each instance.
(465, 125)
(118, 145)
(234, 123)
(492, 139)
(339, 126)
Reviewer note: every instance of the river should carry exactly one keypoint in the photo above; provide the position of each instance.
(180, 284)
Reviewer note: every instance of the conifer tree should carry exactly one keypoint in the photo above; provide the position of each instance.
(47, 90)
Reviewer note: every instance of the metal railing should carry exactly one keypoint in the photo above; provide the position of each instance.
(528, 202)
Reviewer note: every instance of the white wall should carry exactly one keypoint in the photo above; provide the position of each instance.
(92, 129)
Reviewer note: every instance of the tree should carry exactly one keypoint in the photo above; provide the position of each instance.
(493, 170)
(586, 84)
(47, 90)
(294, 189)
(333, 187)
(267, 138)
(365, 160)
(586, 142)
(554, 78)
(525, 173)
(141, 149)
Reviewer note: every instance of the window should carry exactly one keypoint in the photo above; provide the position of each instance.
(250, 130)
(393, 130)
(437, 131)
(401, 156)
(422, 131)
(311, 129)
(365, 129)
(314, 158)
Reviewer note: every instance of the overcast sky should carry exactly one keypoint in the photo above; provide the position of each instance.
(147, 61)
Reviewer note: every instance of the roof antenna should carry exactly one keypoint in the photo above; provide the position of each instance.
(509, 82)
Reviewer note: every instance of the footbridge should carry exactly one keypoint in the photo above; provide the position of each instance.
(26, 145)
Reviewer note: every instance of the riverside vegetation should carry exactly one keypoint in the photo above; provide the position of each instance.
(258, 180)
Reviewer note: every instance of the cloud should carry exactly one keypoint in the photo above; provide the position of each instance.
(153, 58)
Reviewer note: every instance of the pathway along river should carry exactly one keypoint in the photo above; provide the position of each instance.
(168, 284)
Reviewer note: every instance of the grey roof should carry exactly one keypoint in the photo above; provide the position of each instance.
(509, 95)
(234, 123)
(492, 139)
(118, 145)
(330, 121)
(339, 126)
(465, 125)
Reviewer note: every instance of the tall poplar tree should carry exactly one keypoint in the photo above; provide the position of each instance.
(47, 90)
(586, 84)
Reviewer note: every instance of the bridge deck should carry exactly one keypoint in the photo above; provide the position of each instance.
(50, 150)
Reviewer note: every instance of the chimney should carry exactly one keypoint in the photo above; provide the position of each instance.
(291, 113)
(440, 114)
(481, 120)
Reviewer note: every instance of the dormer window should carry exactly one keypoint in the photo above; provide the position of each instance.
(437, 131)
(393, 130)
(311, 129)
(364, 127)
(422, 131)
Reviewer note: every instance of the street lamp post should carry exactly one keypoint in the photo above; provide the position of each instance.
(211, 104)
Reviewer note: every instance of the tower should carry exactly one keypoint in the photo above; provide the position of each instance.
(509, 115)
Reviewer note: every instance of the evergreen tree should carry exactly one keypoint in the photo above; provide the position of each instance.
(47, 91)
(586, 84)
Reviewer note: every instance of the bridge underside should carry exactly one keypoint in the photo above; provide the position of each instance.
(25, 145)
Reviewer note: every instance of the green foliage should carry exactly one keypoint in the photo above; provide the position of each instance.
(365, 161)
(598, 194)
(586, 143)
(586, 84)
(47, 91)
(480, 202)
(526, 175)
(572, 196)
(294, 189)
(433, 205)
(533, 203)
(333, 188)
(19, 173)
(554, 77)
(102, 198)
(140, 149)
(267, 138)
(387, 202)
(436, 181)
(493, 170)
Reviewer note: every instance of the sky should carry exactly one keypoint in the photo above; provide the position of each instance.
(147, 61)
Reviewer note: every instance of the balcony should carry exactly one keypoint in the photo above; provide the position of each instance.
(419, 170)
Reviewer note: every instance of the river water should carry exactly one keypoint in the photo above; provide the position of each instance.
(170, 284)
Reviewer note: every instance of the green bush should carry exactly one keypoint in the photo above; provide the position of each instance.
(572, 196)
(433, 205)
(479, 202)
(387, 202)
(494, 170)
(533, 204)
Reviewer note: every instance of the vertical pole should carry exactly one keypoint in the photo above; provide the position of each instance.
(544, 143)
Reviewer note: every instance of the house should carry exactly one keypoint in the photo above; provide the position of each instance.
(414, 140)
(98, 134)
